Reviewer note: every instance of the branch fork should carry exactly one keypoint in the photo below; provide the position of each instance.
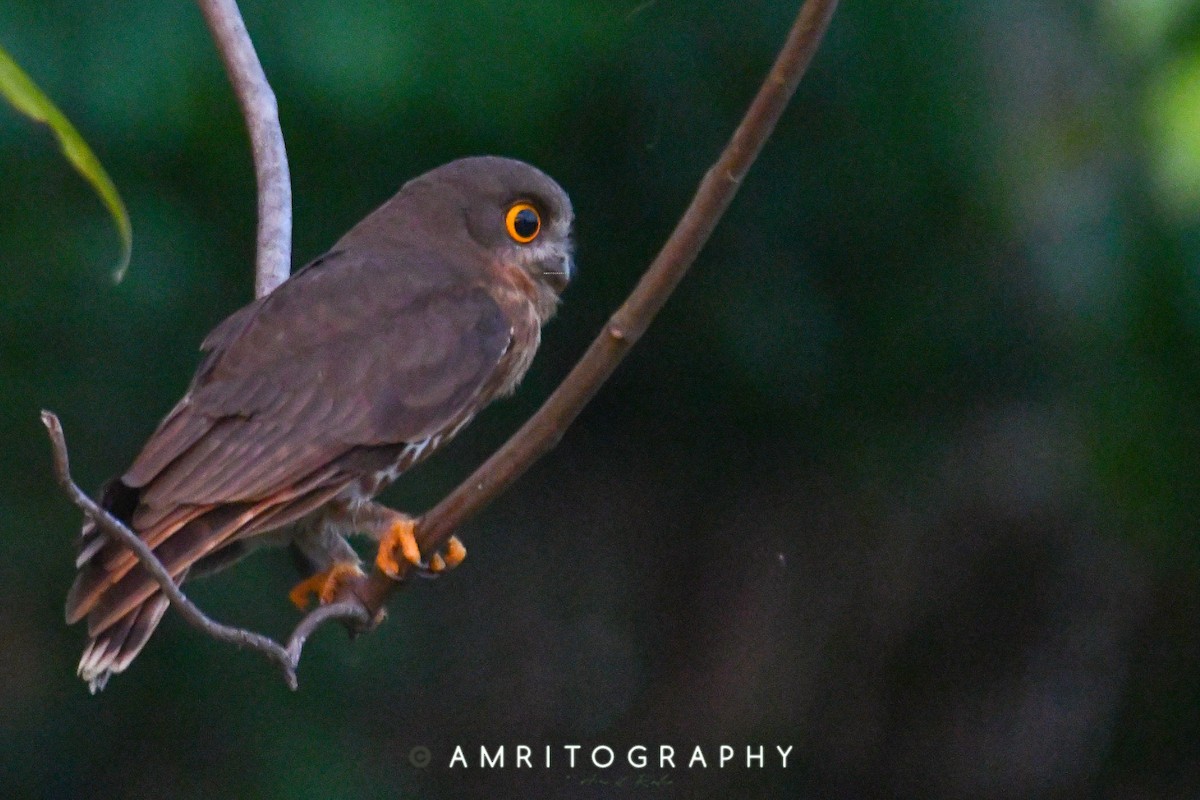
(361, 604)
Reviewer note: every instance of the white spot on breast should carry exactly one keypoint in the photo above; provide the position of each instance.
(369, 486)
(416, 448)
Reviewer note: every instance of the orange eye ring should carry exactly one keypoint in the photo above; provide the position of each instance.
(523, 222)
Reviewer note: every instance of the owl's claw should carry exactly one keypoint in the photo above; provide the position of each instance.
(325, 585)
(451, 556)
(455, 552)
(400, 540)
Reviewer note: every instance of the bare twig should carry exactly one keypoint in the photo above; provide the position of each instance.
(348, 610)
(286, 658)
(361, 603)
(544, 429)
(258, 105)
(113, 527)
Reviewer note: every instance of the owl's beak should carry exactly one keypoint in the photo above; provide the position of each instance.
(560, 272)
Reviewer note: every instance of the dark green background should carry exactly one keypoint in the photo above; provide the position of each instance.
(905, 475)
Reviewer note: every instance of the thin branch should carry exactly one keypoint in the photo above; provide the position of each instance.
(286, 658)
(546, 427)
(348, 610)
(274, 262)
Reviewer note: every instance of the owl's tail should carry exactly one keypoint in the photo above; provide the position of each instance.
(113, 649)
(123, 602)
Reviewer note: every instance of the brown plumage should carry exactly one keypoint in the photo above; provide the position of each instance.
(309, 401)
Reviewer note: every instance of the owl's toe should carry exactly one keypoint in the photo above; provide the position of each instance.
(450, 557)
(398, 541)
(325, 585)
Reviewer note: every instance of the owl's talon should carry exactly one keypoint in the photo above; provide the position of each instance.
(455, 552)
(399, 540)
(451, 556)
(325, 585)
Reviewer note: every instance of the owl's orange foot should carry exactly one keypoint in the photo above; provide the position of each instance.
(450, 557)
(325, 585)
(400, 541)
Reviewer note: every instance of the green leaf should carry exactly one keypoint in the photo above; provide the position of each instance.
(26, 97)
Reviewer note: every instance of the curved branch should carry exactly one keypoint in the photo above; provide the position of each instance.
(351, 611)
(544, 429)
(274, 261)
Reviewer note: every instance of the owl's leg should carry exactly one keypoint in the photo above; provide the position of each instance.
(395, 533)
(229, 554)
(320, 542)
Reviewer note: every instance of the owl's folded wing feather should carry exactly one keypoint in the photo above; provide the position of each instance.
(356, 352)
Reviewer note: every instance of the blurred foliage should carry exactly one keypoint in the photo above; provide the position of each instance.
(24, 95)
(904, 475)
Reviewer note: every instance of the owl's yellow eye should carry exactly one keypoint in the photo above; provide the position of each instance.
(523, 222)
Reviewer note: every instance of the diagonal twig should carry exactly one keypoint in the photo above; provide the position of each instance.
(261, 112)
(362, 603)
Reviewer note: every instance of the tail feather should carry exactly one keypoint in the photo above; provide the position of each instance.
(117, 499)
(122, 602)
(114, 649)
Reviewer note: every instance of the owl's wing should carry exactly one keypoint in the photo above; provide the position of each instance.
(355, 352)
